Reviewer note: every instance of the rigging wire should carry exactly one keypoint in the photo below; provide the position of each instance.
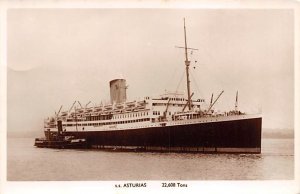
(197, 87)
(180, 81)
(172, 73)
(170, 80)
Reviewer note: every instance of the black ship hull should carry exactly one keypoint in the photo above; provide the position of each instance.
(236, 136)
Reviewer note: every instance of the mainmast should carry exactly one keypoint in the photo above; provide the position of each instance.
(187, 65)
(236, 101)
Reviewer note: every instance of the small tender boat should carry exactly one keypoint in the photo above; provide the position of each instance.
(61, 143)
(60, 140)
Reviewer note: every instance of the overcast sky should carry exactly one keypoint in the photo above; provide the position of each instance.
(57, 56)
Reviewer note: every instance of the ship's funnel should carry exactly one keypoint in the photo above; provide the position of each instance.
(117, 90)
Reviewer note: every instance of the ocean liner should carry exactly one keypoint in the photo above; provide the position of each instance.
(171, 122)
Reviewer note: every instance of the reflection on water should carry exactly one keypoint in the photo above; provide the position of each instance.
(28, 163)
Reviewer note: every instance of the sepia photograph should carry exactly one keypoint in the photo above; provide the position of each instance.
(148, 94)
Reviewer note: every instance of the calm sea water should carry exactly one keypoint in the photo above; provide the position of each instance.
(27, 163)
